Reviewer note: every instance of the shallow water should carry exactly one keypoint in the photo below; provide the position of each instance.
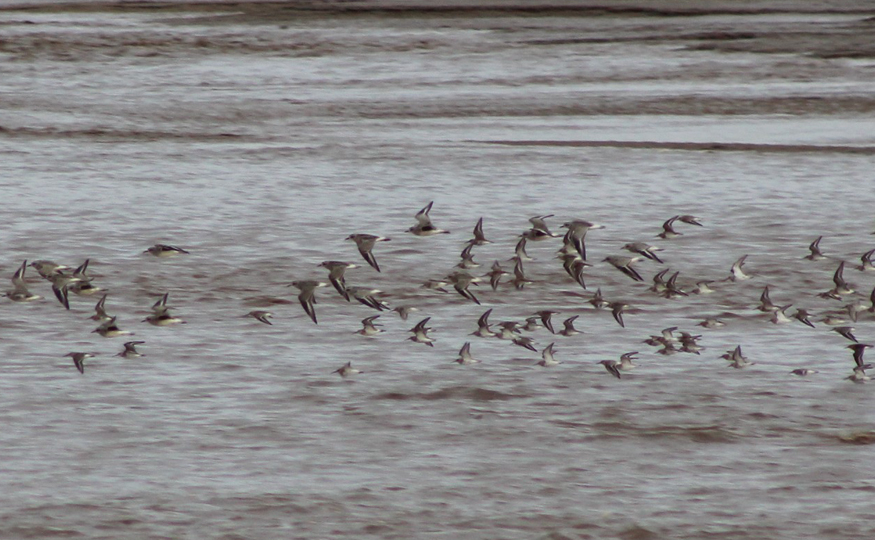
(260, 143)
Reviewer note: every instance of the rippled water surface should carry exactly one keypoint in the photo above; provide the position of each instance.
(259, 140)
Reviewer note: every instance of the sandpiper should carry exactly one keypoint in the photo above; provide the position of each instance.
(79, 359)
(461, 280)
(612, 367)
(539, 230)
(424, 227)
(369, 328)
(569, 329)
(161, 314)
(365, 243)
(642, 248)
(110, 329)
(711, 322)
(347, 370)
(624, 264)
(547, 359)
(519, 275)
(617, 310)
(19, 291)
(261, 315)
(495, 275)
(336, 270)
(467, 258)
(803, 372)
(100, 313)
(130, 350)
(164, 250)
(420, 333)
(576, 234)
(479, 239)
(404, 311)
(465, 355)
(368, 297)
(598, 301)
(816, 254)
(520, 251)
(846, 332)
(307, 297)
(737, 272)
(483, 329)
(546, 318)
(803, 316)
(626, 361)
(668, 229)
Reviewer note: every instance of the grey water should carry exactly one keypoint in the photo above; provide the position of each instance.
(260, 143)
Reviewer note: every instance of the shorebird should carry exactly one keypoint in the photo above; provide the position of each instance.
(690, 344)
(495, 275)
(483, 329)
(261, 316)
(110, 329)
(336, 270)
(692, 220)
(369, 328)
(612, 367)
(525, 342)
(816, 254)
(19, 291)
(858, 349)
(465, 355)
(547, 359)
(598, 301)
(624, 264)
(617, 310)
(519, 275)
(569, 329)
(546, 318)
(420, 333)
(576, 235)
(100, 313)
(846, 332)
(131, 350)
(161, 314)
(711, 322)
(866, 260)
(365, 243)
(672, 290)
(842, 287)
(539, 230)
(404, 311)
(804, 372)
(520, 251)
(479, 239)
(532, 324)
(508, 330)
(702, 287)
(84, 286)
(60, 286)
(346, 370)
(435, 285)
(766, 304)
(164, 250)
(461, 280)
(642, 248)
(626, 361)
(467, 258)
(803, 316)
(367, 296)
(737, 358)
(47, 269)
(668, 229)
(659, 284)
(737, 272)
(79, 359)
(424, 227)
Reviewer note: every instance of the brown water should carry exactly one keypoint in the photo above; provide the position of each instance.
(259, 138)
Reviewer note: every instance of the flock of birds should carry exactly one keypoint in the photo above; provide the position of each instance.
(572, 254)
